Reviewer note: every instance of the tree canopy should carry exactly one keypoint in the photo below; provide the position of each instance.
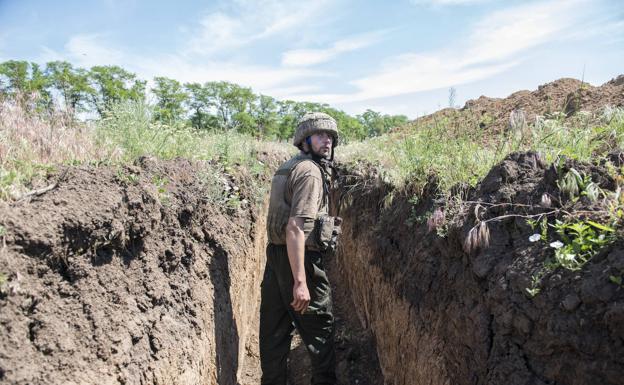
(216, 105)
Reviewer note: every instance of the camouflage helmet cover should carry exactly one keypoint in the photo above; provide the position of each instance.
(314, 122)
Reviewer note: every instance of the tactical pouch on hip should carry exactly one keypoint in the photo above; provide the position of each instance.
(327, 229)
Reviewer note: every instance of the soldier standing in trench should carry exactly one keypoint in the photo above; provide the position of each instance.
(295, 290)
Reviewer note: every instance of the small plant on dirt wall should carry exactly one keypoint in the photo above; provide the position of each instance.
(126, 177)
(575, 184)
(161, 183)
(580, 241)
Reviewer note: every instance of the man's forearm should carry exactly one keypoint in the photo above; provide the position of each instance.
(295, 245)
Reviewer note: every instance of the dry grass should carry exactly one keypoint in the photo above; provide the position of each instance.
(30, 144)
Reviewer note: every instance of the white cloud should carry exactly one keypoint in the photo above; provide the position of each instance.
(308, 57)
(89, 50)
(246, 21)
(289, 91)
(85, 51)
(510, 31)
(495, 44)
(260, 78)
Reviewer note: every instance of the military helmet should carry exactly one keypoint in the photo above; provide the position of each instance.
(314, 122)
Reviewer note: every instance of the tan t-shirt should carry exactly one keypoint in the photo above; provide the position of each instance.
(295, 193)
(305, 190)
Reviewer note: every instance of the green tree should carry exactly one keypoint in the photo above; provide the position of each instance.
(233, 105)
(113, 84)
(26, 83)
(71, 83)
(349, 127)
(200, 104)
(171, 98)
(289, 113)
(14, 77)
(266, 116)
(376, 124)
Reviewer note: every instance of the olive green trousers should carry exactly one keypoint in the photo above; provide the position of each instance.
(278, 319)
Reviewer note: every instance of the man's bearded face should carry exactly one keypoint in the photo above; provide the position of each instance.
(321, 144)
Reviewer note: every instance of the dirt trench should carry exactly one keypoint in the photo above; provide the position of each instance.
(142, 275)
(147, 274)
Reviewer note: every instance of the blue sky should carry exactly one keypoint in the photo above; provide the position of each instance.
(397, 57)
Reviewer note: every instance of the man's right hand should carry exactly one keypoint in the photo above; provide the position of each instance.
(301, 297)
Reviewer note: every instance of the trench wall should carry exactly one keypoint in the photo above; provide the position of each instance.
(114, 280)
(441, 315)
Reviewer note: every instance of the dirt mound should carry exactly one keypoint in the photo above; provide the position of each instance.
(442, 315)
(564, 96)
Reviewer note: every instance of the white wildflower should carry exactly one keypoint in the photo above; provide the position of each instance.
(556, 244)
(569, 257)
(535, 237)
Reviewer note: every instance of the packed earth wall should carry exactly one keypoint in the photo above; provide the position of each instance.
(443, 315)
(135, 275)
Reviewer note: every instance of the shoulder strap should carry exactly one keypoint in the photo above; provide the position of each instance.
(324, 176)
(287, 171)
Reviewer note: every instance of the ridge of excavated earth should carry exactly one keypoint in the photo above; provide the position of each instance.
(568, 96)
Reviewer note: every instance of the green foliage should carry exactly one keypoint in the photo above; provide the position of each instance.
(72, 84)
(536, 280)
(376, 124)
(414, 218)
(2, 231)
(20, 173)
(463, 149)
(126, 177)
(616, 279)
(578, 241)
(414, 156)
(129, 128)
(161, 183)
(170, 98)
(111, 85)
(214, 106)
(24, 82)
(575, 184)
(581, 240)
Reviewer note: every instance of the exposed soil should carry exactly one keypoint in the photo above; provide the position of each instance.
(146, 282)
(566, 96)
(441, 315)
(356, 354)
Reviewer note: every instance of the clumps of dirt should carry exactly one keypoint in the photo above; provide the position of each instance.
(564, 96)
(135, 275)
(441, 314)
